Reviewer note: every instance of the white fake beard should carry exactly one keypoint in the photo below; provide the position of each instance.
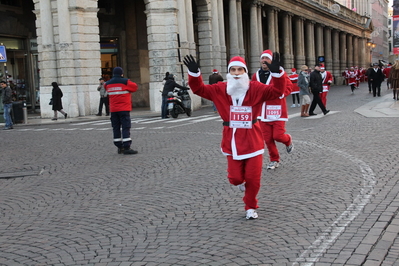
(237, 87)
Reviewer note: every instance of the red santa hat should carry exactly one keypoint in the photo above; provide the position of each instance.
(293, 70)
(322, 66)
(237, 61)
(215, 71)
(268, 54)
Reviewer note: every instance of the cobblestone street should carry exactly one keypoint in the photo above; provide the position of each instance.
(68, 198)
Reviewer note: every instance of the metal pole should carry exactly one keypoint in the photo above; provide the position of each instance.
(181, 65)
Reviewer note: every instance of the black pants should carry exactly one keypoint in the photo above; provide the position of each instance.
(376, 89)
(295, 95)
(121, 125)
(317, 101)
(103, 101)
(369, 82)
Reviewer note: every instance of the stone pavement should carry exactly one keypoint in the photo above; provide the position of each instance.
(67, 197)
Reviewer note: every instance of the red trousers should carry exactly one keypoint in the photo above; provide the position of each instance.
(323, 97)
(272, 132)
(248, 171)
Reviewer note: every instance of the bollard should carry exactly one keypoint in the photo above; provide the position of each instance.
(25, 113)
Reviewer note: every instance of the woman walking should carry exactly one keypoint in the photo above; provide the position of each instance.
(57, 103)
(393, 79)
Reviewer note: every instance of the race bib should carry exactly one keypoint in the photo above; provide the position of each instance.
(325, 88)
(240, 116)
(273, 112)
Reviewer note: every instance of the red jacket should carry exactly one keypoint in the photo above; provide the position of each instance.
(275, 109)
(119, 90)
(294, 80)
(241, 143)
(351, 76)
(327, 80)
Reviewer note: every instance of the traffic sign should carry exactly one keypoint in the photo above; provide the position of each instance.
(3, 55)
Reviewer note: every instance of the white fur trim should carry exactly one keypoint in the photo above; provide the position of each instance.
(237, 63)
(267, 55)
(278, 75)
(196, 75)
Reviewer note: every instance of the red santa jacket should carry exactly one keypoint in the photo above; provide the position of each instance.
(351, 76)
(119, 90)
(294, 80)
(386, 71)
(275, 109)
(327, 80)
(241, 143)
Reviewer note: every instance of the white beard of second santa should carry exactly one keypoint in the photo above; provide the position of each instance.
(237, 87)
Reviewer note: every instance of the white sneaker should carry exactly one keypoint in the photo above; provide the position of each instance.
(293, 105)
(298, 105)
(241, 187)
(273, 165)
(251, 214)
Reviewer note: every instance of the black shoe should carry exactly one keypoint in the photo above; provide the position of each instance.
(129, 151)
(98, 114)
(120, 150)
(66, 115)
(326, 112)
(310, 114)
(107, 115)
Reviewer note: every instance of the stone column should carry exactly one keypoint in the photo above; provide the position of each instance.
(65, 56)
(260, 28)
(205, 38)
(234, 43)
(287, 42)
(310, 44)
(271, 28)
(356, 51)
(240, 29)
(182, 27)
(349, 47)
(190, 27)
(328, 48)
(222, 38)
(319, 46)
(87, 64)
(255, 51)
(47, 54)
(336, 70)
(300, 43)
(364, 56)
(215, 35)
(342, 50)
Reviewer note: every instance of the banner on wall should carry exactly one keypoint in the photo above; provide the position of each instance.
(395, 34)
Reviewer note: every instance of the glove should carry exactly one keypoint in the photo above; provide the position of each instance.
(190, 63)
(274, 67)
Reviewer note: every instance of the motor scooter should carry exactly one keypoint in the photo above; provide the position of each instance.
(179, 102)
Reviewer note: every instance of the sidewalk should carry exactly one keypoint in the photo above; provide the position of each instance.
(383, 106)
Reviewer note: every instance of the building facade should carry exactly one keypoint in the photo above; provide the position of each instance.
(77, 41)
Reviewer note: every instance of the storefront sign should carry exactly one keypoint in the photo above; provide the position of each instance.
(3, 55)
(33, 45)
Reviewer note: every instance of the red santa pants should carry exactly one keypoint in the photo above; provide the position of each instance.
(272, 132)
(248, 171)
(323, 97)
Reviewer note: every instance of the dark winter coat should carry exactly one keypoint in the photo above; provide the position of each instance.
(56, 95)
(376, 77)
(394, 78)
(316, 82)
(215, 78)
(170, 84)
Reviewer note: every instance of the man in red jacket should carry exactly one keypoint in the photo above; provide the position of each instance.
(239, 101)
(120, 103)
(327, 80)
(274, 112)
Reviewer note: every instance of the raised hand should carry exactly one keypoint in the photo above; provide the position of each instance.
(274, 66)
(191, 64)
